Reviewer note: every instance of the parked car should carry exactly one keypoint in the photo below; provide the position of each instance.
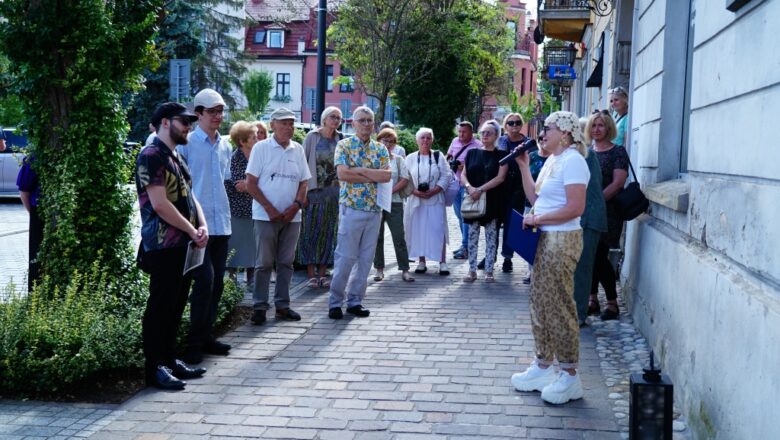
(10, 162)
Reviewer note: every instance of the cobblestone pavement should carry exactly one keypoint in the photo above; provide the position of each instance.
(13, 245)
(432, 362)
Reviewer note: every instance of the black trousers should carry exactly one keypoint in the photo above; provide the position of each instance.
(207, 291)
(34, 242)
(168, 290)
(603, 272)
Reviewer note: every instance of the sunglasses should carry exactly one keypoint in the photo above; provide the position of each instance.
(487, 133)
(183, 121)
(514, 123)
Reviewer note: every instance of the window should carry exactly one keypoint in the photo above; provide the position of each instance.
(522, 82)
(260, 37)
(276, 39)
(346, 88)
(329, 79)
(346, 106)
(311, 98)
(282, 84)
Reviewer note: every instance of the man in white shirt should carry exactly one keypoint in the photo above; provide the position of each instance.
(277, 178)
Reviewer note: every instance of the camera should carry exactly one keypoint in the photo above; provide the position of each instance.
(423, 187)
(454, 165)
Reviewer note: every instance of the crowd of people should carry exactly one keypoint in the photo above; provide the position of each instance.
(267, 201)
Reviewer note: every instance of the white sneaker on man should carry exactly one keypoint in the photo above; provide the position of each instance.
(565, 388)
(534, 378)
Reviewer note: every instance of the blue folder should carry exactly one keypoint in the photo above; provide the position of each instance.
(523, 241)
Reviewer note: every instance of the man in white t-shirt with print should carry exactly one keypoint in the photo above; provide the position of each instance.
(277, 177)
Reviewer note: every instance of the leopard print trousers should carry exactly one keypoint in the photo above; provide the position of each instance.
(553, 311)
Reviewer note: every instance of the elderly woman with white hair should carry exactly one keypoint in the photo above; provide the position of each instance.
(558, 198)
(319, 222)
(425, 218)
(482, 176)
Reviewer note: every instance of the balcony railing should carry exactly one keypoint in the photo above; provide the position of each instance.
(566, 4)
(559, 56)
(523, 45)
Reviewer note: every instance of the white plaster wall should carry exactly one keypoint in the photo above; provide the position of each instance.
(716, 327)
(295, 69)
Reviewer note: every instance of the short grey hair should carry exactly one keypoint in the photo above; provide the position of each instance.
(327, 112)
(422, 131)
(492, 123)
(363, 109)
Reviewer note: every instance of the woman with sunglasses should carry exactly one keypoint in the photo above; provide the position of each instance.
(320, 216)
(425, 218)
(394, 218)
(482, 176)
(558, 197)
(613, 160)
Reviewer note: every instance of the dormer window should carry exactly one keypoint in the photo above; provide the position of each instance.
(260, 37)
(276, 39)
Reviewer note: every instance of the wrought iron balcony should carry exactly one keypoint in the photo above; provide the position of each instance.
(566, 19)
(559, 63)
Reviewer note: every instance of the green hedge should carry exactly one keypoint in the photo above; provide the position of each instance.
(55, 337)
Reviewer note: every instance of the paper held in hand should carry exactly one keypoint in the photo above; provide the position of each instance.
(384, 195)
(194, 258)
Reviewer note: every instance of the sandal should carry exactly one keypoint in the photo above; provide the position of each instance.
(611, 311)
(380, 275)
(324, 282)
(593, 306)
(406, 277)
(489, 278)
(470, 277)
(313, 283)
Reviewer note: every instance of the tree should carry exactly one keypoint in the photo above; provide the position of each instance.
(74, 60)
(369, 36)
(10, 104)
(471, 62)
(198, 31)
(257, 88)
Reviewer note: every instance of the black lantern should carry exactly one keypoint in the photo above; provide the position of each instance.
(652, 400)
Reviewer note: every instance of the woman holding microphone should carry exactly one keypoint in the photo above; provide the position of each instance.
(558, 198)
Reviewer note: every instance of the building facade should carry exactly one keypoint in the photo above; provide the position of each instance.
(701, 270)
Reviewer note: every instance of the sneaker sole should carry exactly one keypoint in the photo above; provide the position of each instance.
(537, 384)
(560, 398)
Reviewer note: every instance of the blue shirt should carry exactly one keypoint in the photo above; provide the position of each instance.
(27, 181)
(209, 165)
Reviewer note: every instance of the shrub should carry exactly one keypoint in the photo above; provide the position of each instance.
(407, 140)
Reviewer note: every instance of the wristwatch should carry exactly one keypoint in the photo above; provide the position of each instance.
(300, 205)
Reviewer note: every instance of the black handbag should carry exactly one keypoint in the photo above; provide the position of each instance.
(630, 202)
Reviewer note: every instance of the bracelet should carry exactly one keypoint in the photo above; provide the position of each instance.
(300, 205)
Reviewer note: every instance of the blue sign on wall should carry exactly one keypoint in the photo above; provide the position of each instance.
(561, 72)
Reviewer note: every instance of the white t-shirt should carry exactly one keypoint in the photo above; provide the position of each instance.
(279, 171)
(568, 168)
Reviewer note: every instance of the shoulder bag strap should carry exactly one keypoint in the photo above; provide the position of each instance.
(632, 168)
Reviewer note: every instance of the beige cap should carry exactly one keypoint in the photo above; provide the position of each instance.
(208, 98)
(282, 113)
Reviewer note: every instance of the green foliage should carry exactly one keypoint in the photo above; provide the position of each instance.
(406, 140)
(58, 335)
(257, 88)
(73, 62)
(215, 66)
(473, 60)
(299, 135)
(10, 104)
(526, 105)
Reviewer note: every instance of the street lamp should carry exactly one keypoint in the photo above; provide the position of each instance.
(652, 400)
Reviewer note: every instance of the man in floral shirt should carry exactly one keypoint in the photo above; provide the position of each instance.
(360, 163)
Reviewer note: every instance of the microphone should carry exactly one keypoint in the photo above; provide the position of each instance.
(529, 145)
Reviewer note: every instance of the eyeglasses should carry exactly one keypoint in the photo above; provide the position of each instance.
(514, 123)
(183, 121)
(366, 121)
(215, 111)
(388, 141)
(603, 112)
(334, 117)
(487, 133)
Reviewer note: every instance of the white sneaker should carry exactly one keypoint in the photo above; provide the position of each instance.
(444, 269)
(566, 387)
(534, 378)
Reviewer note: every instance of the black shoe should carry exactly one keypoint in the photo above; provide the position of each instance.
(184, 371)
(460, 254)
(192, 356)
(258, 317)
(288, 315)
(507, 266)
(216, 347)
(481, 265)
(609, 314)
(527, 280)
(359, 311)
(335, 313)
(163, 378)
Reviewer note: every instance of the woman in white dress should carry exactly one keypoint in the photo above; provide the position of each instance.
(425, 218)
